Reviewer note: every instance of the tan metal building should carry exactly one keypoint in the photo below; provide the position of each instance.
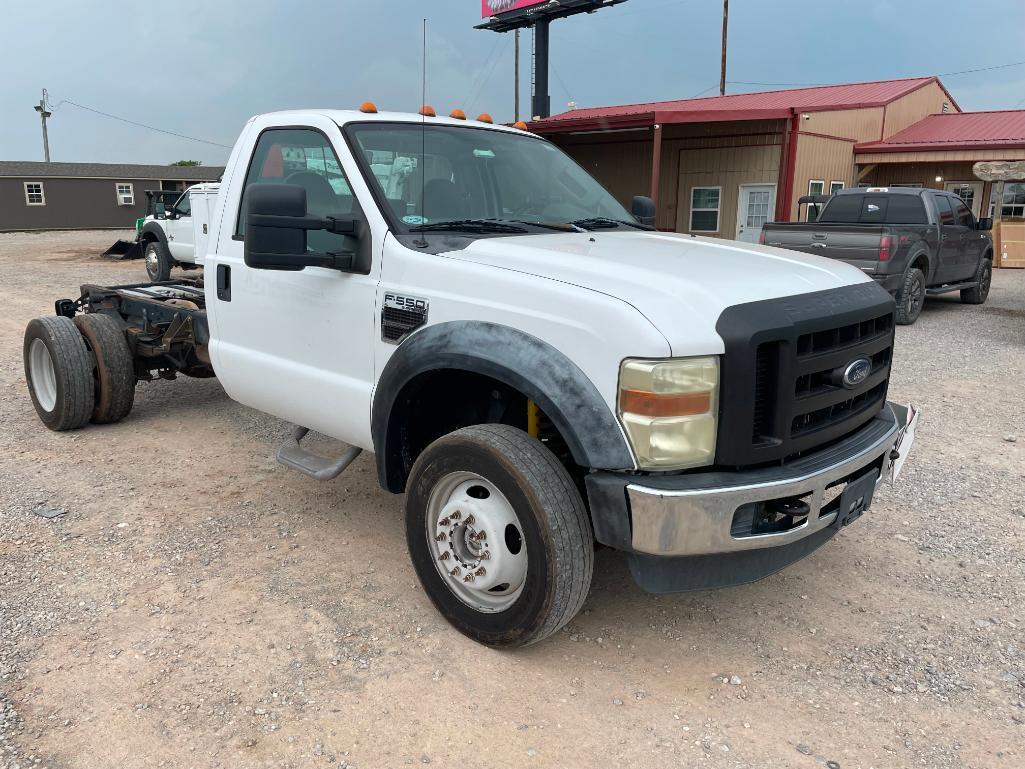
(725, 165)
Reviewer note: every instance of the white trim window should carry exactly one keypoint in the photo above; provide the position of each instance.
(1014, 200)
(816, 187)
(125, 194)
(705, 203)
(35, 195)
(835, 187)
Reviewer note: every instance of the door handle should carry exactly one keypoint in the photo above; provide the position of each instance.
(224, 282)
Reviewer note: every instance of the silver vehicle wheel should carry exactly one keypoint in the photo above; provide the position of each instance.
(44, 380)
(477, 542)
(152, 260)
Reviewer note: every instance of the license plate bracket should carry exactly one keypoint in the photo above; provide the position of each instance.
(856, 498)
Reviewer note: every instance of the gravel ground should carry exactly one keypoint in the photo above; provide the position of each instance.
(194, 604)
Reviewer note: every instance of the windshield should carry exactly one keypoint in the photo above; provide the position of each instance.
(437, 175)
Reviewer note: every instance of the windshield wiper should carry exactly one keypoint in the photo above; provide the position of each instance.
(605, 223)
(558, 226)
(470, 225)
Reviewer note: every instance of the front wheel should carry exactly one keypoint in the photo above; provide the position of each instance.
(498, 535)
(978, 293)
(158, 261)
(911, 297)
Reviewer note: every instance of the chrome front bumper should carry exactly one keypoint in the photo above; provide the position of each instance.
(697, 520)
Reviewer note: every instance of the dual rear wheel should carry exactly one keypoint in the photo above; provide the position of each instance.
(78, 371)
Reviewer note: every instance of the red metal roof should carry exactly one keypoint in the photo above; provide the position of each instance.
(763, 104)
(956, 130)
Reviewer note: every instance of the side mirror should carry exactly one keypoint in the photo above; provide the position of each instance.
(985, 223)
(276, 227)
(643, 210)
(159, 211)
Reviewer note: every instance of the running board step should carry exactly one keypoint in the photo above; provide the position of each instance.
(953, 287)
(291, 454)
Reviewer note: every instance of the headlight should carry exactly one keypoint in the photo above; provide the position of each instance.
(668, 409)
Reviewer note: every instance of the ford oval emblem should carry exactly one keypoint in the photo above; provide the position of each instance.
(857, 371)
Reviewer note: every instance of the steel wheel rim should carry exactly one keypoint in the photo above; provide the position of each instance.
(476, 542)
(44, 379)
(152, 261)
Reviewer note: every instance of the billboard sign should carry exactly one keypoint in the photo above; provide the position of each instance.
(489, 8)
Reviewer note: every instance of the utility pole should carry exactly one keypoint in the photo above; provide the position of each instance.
(722, 69)
(516, 75)
(43, 115)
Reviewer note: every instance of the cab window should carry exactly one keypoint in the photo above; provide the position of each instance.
(963, 214)
(184, 205)
(303, 157)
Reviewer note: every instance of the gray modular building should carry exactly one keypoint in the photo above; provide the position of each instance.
(79, 196)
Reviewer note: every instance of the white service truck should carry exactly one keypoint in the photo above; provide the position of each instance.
(536, 369)
(176, 236)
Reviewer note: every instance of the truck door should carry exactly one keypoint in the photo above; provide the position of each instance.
(972, 241)
(296, 344)
(181, 240)
(950, 248)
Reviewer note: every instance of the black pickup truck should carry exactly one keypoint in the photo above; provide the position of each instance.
(914, 242)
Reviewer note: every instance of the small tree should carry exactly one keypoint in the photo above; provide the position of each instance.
(189, 163)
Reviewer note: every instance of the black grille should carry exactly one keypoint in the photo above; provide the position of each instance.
(782, 388)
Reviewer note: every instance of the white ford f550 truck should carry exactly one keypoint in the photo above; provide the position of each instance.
(535, 368)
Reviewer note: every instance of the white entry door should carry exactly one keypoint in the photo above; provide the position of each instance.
(969, 192)
(756, 206)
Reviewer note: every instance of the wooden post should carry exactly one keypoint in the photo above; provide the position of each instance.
(722, 67)
(656, 165)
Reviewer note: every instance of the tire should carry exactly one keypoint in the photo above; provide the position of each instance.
(113, 369)
(158, 261)
(58, 369)
(984, 277)
(485, 472)
(910, 297)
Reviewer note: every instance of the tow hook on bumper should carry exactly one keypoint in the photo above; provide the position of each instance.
(776, 506)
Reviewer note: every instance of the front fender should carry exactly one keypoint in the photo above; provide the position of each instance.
(521, 361)
(154, 229)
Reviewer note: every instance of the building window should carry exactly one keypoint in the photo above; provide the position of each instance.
(704, 209)
(816, 187)
(835, 187)
(1014, 200)
(125, 194)
(916, 186)
(34, 195)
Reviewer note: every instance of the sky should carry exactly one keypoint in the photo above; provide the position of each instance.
(202, 68)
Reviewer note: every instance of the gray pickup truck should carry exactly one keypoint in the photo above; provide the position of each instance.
(913, 242)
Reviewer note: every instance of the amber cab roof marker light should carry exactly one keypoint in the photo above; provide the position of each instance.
(484, 117)
(428, 111)
(368, 107)
(520, 124)
(458, 114)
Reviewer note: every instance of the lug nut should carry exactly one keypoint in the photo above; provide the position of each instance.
(441, 537)
(454, 572)
(481, 572)
(481, 535)
(469, 520)
(443, 522)
(456, 515)
(468, 578)
(485, 556)
(443, 556)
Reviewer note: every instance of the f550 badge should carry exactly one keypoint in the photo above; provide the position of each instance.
(401, 316)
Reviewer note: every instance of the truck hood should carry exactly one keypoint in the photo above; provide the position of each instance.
(680, 283)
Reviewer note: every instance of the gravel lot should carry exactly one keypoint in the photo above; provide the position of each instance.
(197, 605)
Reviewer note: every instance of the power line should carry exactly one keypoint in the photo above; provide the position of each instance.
(141, 125)
(941, 74)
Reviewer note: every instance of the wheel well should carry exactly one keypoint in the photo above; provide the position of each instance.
(148, 237)
(921, 261)
(439, 402)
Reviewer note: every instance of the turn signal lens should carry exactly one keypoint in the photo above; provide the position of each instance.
(458, 114)
(368, 106)
(669, 410)
(484, 117)
(428, 111)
